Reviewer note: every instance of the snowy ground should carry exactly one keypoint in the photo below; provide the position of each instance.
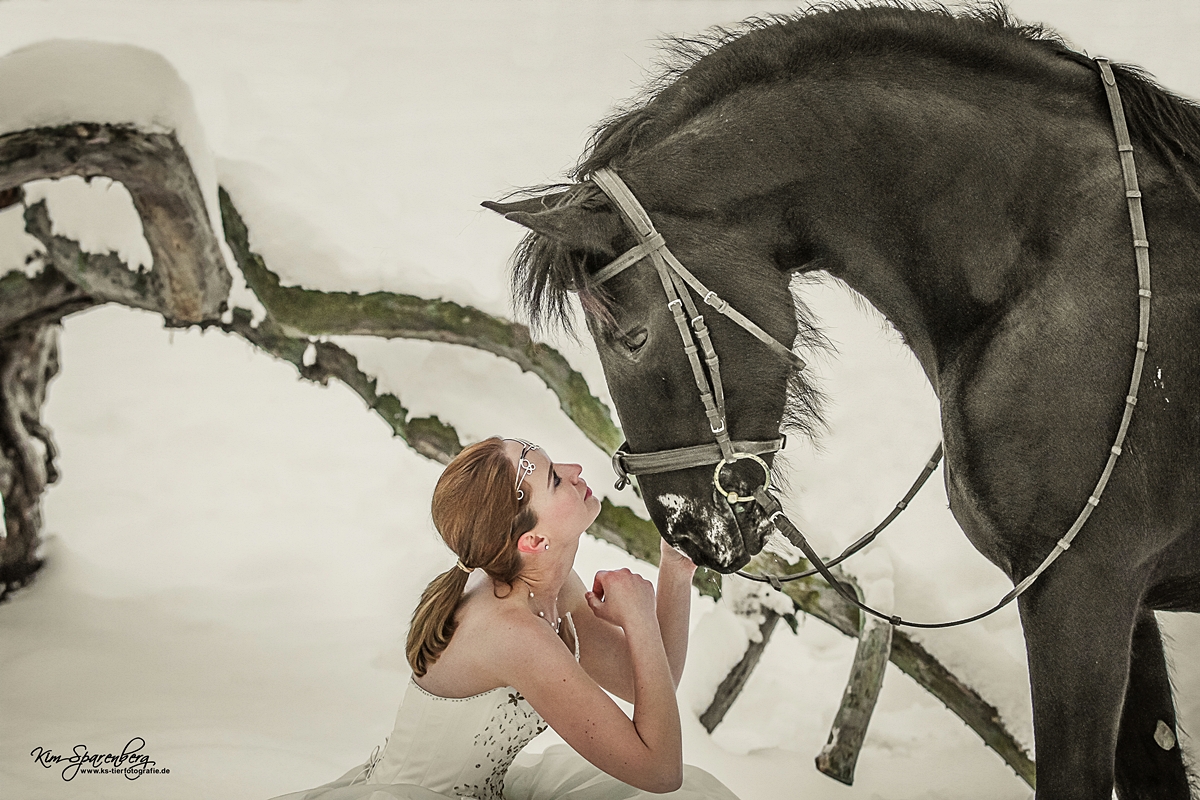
(233, 553)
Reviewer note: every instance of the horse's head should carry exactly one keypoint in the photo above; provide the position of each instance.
(576, 233)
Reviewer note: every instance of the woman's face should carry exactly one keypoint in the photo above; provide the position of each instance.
(557, 493)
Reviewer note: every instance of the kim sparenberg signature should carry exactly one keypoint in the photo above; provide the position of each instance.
(130, 762)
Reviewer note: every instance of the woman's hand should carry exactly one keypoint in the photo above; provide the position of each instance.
(622, 598)
(671, 558)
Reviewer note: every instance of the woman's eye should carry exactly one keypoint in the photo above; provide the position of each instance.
(557, 480)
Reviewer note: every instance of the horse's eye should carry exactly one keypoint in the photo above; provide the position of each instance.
(634, 340)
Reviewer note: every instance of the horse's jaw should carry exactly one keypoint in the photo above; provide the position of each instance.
(705, 527)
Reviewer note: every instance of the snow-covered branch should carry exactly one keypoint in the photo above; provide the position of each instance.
(189, 282)
(817, 598)
(392, 315)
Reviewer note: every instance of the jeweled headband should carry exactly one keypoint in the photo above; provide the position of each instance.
(524, 466)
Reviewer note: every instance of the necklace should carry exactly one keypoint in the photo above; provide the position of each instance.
(556, 625)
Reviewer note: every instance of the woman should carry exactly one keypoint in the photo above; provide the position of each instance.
(510, 640)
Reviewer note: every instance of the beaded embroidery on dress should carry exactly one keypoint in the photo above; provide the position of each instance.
(428, 745)
(465, 747)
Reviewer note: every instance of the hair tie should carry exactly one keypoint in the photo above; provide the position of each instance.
(463, 567)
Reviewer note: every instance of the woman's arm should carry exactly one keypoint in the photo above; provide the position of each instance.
(647, 751)
(674, 603)
(603, 649)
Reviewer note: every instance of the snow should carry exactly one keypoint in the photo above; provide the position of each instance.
(53, 83)
(234, 553)
(57, 82)
(98, 214)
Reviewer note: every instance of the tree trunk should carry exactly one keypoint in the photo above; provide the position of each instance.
(28, 360)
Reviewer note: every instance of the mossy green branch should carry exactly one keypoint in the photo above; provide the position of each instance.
(391, 315)
(429, 436)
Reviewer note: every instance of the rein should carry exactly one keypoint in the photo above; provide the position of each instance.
(676, 281)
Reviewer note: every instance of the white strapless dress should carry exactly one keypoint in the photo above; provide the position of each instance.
(470, 747)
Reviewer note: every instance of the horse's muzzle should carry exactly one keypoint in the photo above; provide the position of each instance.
(711, 531)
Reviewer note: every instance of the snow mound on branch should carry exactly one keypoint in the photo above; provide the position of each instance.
(60, 81)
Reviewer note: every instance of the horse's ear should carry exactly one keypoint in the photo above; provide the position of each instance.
(531, 205)
(578, 227)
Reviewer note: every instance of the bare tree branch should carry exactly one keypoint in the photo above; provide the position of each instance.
(735, 681)
(840, 754)
(189, 280)
(429, 436)
(816, 597)
(101, 276)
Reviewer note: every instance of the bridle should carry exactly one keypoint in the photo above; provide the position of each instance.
(678, 283)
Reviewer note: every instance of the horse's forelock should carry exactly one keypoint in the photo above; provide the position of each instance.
(545, 272)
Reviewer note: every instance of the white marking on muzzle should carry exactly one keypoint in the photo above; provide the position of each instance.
(711, 524)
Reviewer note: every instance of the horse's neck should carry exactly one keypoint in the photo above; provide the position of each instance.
(936, 202)
(971, 197)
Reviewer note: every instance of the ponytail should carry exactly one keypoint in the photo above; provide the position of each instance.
(433, 621)
(479, 516)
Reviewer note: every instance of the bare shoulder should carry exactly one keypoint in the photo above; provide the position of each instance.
(495, 625)
(488, 630)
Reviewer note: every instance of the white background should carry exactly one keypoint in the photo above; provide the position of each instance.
(232, 554)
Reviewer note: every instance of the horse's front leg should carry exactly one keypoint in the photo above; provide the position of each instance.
(1149, 762)
(1078, 628)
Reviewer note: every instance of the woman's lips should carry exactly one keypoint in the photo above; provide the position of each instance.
(588, 493)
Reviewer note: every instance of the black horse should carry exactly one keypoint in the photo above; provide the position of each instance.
(961, 173)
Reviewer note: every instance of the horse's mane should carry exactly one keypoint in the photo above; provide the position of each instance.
(696, 72)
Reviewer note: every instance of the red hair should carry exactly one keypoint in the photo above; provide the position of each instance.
(476, 511)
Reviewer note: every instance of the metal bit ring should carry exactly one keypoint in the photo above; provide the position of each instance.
(734, 497)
